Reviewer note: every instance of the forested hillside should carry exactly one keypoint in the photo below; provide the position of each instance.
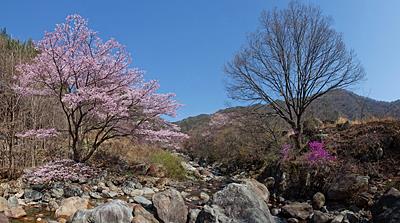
(333, 105)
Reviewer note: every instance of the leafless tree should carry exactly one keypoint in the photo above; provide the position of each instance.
(294, 58)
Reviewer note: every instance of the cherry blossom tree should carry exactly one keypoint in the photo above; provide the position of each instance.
(100, 95)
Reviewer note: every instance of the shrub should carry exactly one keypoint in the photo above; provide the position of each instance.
(170, 162)
(318, 154)
(59, 170)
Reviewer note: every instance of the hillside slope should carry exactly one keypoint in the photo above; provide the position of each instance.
(335, 104)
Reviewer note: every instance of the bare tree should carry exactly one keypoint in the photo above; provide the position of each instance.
(294, 58)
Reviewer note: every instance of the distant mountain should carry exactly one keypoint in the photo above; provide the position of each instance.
(335, 104)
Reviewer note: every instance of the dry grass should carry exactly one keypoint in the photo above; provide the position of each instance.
(133, 154)
(342, 120)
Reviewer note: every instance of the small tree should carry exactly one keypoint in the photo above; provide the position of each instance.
(100, 96)
(294, 58)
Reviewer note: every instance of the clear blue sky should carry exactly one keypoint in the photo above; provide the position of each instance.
(185, 43)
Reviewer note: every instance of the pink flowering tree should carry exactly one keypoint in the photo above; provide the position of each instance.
(100, 95)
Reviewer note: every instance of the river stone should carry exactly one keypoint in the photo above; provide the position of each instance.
(115, 211)
(170, 206)
(143, 201)
(95, 195)
(13, 202)
(109, 194)
(142, 216)
(204, 197)
(128, 187)
(193, 214)
(3, 204)
(298, 210)
(259, 188)
(57, 192)
(320, 217)
(72, 191)
(15, 212)
(70, 205)
(318, 200)
(32, 195)
(244, 202)
(148, 191)
(3, 219)
(136, 192)
(213, 214)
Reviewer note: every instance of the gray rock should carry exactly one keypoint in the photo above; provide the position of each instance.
(193, 214)
(70, 205)
(338, 218)
(136, 192)
(351, 217)
(204, 197)
(347, 187)
(116, 211)
(143, 201)
(292, 220)
(3, 204)
(13, 201)
(170, 206)
(142, 216)
(244, 202)
(259, 188)
(318, 200)
(128, 187)
(320, 217)
(148, 191)
(3, 219)
(298, 210)
(275, 211)
(32, 195)
(95, 195)
(72, 191)
(213, 214)
(57, 192)
(109, 194)
(15, 212)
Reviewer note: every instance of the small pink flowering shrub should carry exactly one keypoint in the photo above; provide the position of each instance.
(60, 170)
(318, 154)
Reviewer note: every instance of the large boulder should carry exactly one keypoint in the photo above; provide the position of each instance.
(115, 211)
(32, 195)
(15, 212)
(298, 210)
(72, 191)
(245, 202)
(346, 187)
(170, 206)
(213, 214)
(70, 205)
(142, 216)
(3, 204)
(3, 219)
(259, 188)
(387, 209)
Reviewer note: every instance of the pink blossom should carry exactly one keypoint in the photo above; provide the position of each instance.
(38, 133)
(95, 85)
(318, 154)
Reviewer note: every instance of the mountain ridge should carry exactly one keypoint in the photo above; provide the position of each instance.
(335, 104)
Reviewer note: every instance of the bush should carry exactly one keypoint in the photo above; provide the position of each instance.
(60, 170)
(170, 162)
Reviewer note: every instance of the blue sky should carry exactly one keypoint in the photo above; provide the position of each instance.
(185, 43)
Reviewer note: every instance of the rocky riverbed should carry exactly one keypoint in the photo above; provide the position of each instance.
(205, 197)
